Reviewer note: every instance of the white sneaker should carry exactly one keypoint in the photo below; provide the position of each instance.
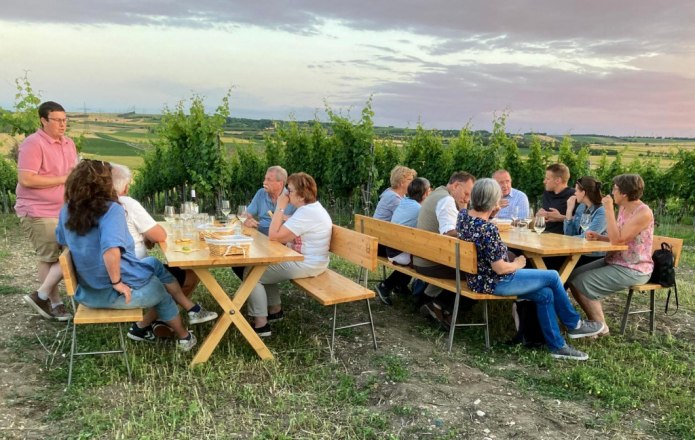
(186, 344)
(202, 316)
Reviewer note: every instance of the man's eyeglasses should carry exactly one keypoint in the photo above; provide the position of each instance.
(59, 121)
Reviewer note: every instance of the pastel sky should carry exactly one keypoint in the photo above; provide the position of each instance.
(621, 67)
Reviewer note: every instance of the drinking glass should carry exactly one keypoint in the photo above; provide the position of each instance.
(539, 224)
(529, 218)
(241, 213)
(169, 213)
(585, 221)
(515, 217)
(225, 208)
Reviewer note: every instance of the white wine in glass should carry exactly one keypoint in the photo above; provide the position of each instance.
(539, 224)
(169, 214)
(241, 213)
(225, 208)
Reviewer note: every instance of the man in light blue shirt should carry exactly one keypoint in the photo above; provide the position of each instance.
(511, 198)
(261, 209)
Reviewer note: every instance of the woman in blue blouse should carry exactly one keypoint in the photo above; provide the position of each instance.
(499, 276)
(587, 193)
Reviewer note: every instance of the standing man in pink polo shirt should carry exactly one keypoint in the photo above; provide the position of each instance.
(45, 160)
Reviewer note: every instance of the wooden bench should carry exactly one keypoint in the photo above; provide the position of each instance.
(676, 247)
(442, 249)
(85, 315)
(330, 288)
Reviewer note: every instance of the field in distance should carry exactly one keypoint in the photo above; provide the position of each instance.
(125, 138)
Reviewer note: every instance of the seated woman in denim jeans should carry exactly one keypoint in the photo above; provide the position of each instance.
(93, 226)
(498, 276)
(587, 194)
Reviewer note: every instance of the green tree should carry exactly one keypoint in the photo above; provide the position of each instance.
(534, 171)
(25, 117)
(424, 153)
(351, 160)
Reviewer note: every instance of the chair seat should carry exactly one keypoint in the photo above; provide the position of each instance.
(86, 315)
(647, 287)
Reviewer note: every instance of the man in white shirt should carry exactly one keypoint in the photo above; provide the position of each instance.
(438, 214)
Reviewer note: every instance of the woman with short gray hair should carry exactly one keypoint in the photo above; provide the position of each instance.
(499, 276)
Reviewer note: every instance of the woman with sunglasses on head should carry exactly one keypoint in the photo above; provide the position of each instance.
(307, 231)
(587, 194)
(633, 227)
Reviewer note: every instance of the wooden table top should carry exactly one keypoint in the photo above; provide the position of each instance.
(262, 251)
(550, 244)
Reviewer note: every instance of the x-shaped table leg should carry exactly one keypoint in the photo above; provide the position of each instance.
(231, 314)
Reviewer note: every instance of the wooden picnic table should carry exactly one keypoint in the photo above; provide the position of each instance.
(262, 253)
(536, 247)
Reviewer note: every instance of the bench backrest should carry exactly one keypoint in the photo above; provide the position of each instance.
(69, 275)
(434, 247)
(676, 246)
(355, 247)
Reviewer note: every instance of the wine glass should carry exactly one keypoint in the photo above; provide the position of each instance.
(169, 214)
(585, 221)
(225, 208)
(515, 217)
(241, 213)
(539, 224)
(529, 218)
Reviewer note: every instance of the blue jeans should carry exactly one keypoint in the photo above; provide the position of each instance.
(543, 287)
(152, 294)
(160, 271)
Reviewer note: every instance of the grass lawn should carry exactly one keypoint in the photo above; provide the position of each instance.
(635, 386)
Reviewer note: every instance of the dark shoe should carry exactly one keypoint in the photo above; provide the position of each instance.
(141, 334)
(162, 330)
(264, 331)
(60, 313)
(435, 311)
(586, 329)
(42, 306)
(384, 293)
(403, 291)
(274, 317)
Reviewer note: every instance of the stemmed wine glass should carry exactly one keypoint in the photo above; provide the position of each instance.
(584, 222)
(225, 208)
(169, 214)
(241, 213)
(539, 224)
(515, 217)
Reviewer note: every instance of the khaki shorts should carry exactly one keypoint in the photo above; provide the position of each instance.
(42, 234)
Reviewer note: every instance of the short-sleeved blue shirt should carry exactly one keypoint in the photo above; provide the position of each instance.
(388, 202)
(259, 207)
(406, 213)
(489, 246)
(88, 250)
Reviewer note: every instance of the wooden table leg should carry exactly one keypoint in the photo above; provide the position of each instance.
(536, 260)
(567, 266)
(231, 314)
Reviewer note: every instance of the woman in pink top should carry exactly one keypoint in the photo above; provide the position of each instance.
(618, 270)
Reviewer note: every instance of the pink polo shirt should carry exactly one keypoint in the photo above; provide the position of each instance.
(45, 156)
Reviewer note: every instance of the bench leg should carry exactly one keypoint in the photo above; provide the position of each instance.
(125, 352)
(72, 353)
(487, 326)
(371, 323)
(331, 347)
(454, 318)
(652, 322)
(626, 312)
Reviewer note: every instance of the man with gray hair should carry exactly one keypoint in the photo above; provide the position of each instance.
(260, 210)
(513, 201)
